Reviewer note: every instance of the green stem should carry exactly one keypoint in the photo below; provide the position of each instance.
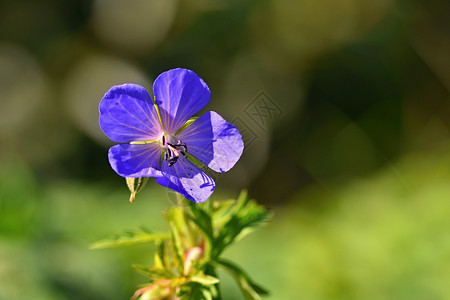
(203, 220)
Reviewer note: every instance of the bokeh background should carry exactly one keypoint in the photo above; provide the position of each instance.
(344, 106)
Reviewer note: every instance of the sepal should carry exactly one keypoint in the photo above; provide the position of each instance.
(135, 185)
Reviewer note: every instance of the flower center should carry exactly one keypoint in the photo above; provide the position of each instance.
(174, 148)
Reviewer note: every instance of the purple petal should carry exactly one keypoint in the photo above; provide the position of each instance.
(186, 179)
(135, 160)
(179, 94)
(127, 114)
(215, 142)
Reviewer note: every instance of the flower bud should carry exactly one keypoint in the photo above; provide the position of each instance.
(135, 185)
(192, 255)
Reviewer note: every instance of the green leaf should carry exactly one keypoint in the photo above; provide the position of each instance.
(241, 200)
(128, 238)
(250, 289)
(206, 294)
(158, 261)
(203, 221)
(153, 273)
(214, 289)
(163, 255)
(222, 212)
(149, 294)
(251, 217)
(177, 248)
(246, 216)
(175, 215)
(204, 279)
(197, 291)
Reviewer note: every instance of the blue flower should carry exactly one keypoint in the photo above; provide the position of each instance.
(158, 141)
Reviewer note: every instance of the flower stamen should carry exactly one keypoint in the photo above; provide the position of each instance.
(173, 151)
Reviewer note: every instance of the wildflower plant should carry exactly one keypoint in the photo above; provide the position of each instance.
(160, 138)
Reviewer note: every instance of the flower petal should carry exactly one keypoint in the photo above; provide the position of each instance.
(179, 94)
(215, 142)
(127, 114)
(186, 179)
(136, 160)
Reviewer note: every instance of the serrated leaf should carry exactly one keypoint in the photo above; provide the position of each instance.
(201, 219)
(245, 219)
(204, 279)
(249, 288)
(251, 217)
(128, 238)
(241, 200)
(222, 213)
(222, 207)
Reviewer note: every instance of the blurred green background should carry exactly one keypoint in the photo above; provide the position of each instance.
(353, 158)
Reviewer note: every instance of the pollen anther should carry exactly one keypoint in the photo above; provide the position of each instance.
(173, 152)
